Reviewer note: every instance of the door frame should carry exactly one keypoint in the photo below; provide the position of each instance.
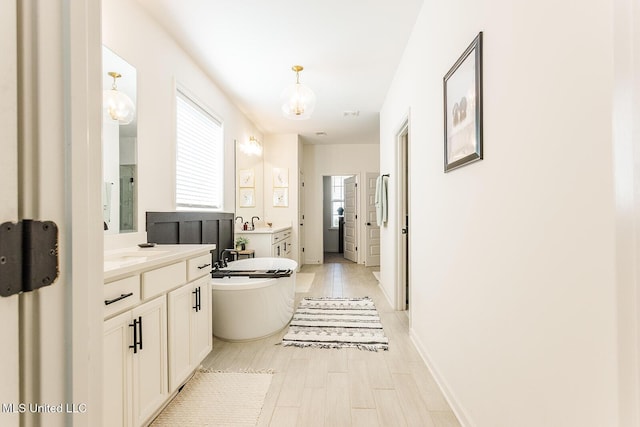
(321, 222)
(403, 281)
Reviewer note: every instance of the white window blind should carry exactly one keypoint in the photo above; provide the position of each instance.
(199, 156)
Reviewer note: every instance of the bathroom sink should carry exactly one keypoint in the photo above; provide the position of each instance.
(123, 259)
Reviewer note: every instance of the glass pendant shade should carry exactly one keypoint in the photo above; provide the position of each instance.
(117, 104)
(251, 147)
(298, 100)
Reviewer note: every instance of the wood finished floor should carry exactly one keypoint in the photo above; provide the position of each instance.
(342, 387)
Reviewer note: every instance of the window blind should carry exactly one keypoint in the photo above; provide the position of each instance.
(199, 156)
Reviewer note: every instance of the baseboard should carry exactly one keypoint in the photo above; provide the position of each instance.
(465, 421)
(391, 304)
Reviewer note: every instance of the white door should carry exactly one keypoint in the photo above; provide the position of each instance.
(116, 397)
(9, 368)
(372, 237)
(201, 328)
(301, 220)
(350, 219)
(150, 385)
(180, 303)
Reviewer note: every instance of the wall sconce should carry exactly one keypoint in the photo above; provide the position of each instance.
(251, 147)
(119, 106)
(299, 100)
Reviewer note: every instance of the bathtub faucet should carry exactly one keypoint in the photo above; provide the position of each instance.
(223, 260)
(253, 226)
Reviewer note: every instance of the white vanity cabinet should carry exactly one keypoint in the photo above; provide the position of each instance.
(157, 328)
(190, 329)
(270, 242)
(135, 364)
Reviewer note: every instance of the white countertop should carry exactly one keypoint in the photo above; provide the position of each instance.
(264, 230)
(122, 262)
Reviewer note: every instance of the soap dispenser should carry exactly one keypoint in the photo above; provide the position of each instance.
(245, 226)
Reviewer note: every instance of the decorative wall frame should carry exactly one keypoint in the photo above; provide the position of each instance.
(281, 197)
(246, 178)
(463, 108)
(247, 198)
(280, 177)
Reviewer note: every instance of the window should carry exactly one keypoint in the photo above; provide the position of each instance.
(199, 155)
(337, 198)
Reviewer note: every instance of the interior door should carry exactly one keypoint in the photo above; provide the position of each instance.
(9, 368)
(350, 219)
(301, 220)
(372, 237)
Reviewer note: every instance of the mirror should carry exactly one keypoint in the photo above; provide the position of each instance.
(119, 149)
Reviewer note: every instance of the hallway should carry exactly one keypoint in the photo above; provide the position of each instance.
(342, 387)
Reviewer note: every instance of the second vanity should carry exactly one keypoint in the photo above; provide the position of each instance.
(157, 327)
(269, 242)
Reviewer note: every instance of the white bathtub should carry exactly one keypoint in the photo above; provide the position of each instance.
(247, 309)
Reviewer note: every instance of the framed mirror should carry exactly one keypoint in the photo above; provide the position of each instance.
(119, 144)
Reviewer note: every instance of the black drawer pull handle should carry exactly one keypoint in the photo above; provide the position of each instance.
(200, 267)
(122, 296)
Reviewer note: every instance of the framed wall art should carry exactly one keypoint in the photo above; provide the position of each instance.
(463, 108)
(280, 177)
(247, 198)
(246, 178)
(281, 197)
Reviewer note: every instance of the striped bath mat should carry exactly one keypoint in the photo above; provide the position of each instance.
(336, 322)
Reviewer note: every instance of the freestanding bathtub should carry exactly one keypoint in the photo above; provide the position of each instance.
(247, 309)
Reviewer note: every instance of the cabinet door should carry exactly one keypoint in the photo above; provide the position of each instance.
(116, 377)
(150, 385)
(201, 327)
(181, 302)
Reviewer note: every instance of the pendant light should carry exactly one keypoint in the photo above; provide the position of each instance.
(118, 105)
(299, 100)
(251, 147)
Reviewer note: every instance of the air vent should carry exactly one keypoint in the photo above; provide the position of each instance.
(321, 133)
(351, 114)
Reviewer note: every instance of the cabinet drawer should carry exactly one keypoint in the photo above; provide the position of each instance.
(198, 266)
(280, 235)
(163, 279)
(121, 295)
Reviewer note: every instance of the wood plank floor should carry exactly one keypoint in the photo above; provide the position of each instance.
(342, 387)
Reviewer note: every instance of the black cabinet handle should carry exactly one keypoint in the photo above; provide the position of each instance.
(121, 297)
(200, 267)
(195, 292)
(135, 335)
(140, 333)
(199, 298)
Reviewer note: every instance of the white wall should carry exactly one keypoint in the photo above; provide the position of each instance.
(512, 273)
(282, 151)
(332, 159)
(160, 63)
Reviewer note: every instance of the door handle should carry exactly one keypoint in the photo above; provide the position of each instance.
(368, 223)
(405, 230)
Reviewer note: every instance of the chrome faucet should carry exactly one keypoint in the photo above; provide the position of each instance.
(253, 226)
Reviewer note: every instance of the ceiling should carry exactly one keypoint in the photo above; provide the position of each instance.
(349, 50)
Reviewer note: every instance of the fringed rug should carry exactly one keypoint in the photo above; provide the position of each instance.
(328, 322)
(217, 399)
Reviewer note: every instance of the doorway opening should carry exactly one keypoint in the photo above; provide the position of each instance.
(339, 218)
(403, 185)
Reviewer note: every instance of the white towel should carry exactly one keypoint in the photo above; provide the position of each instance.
(381, 200)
